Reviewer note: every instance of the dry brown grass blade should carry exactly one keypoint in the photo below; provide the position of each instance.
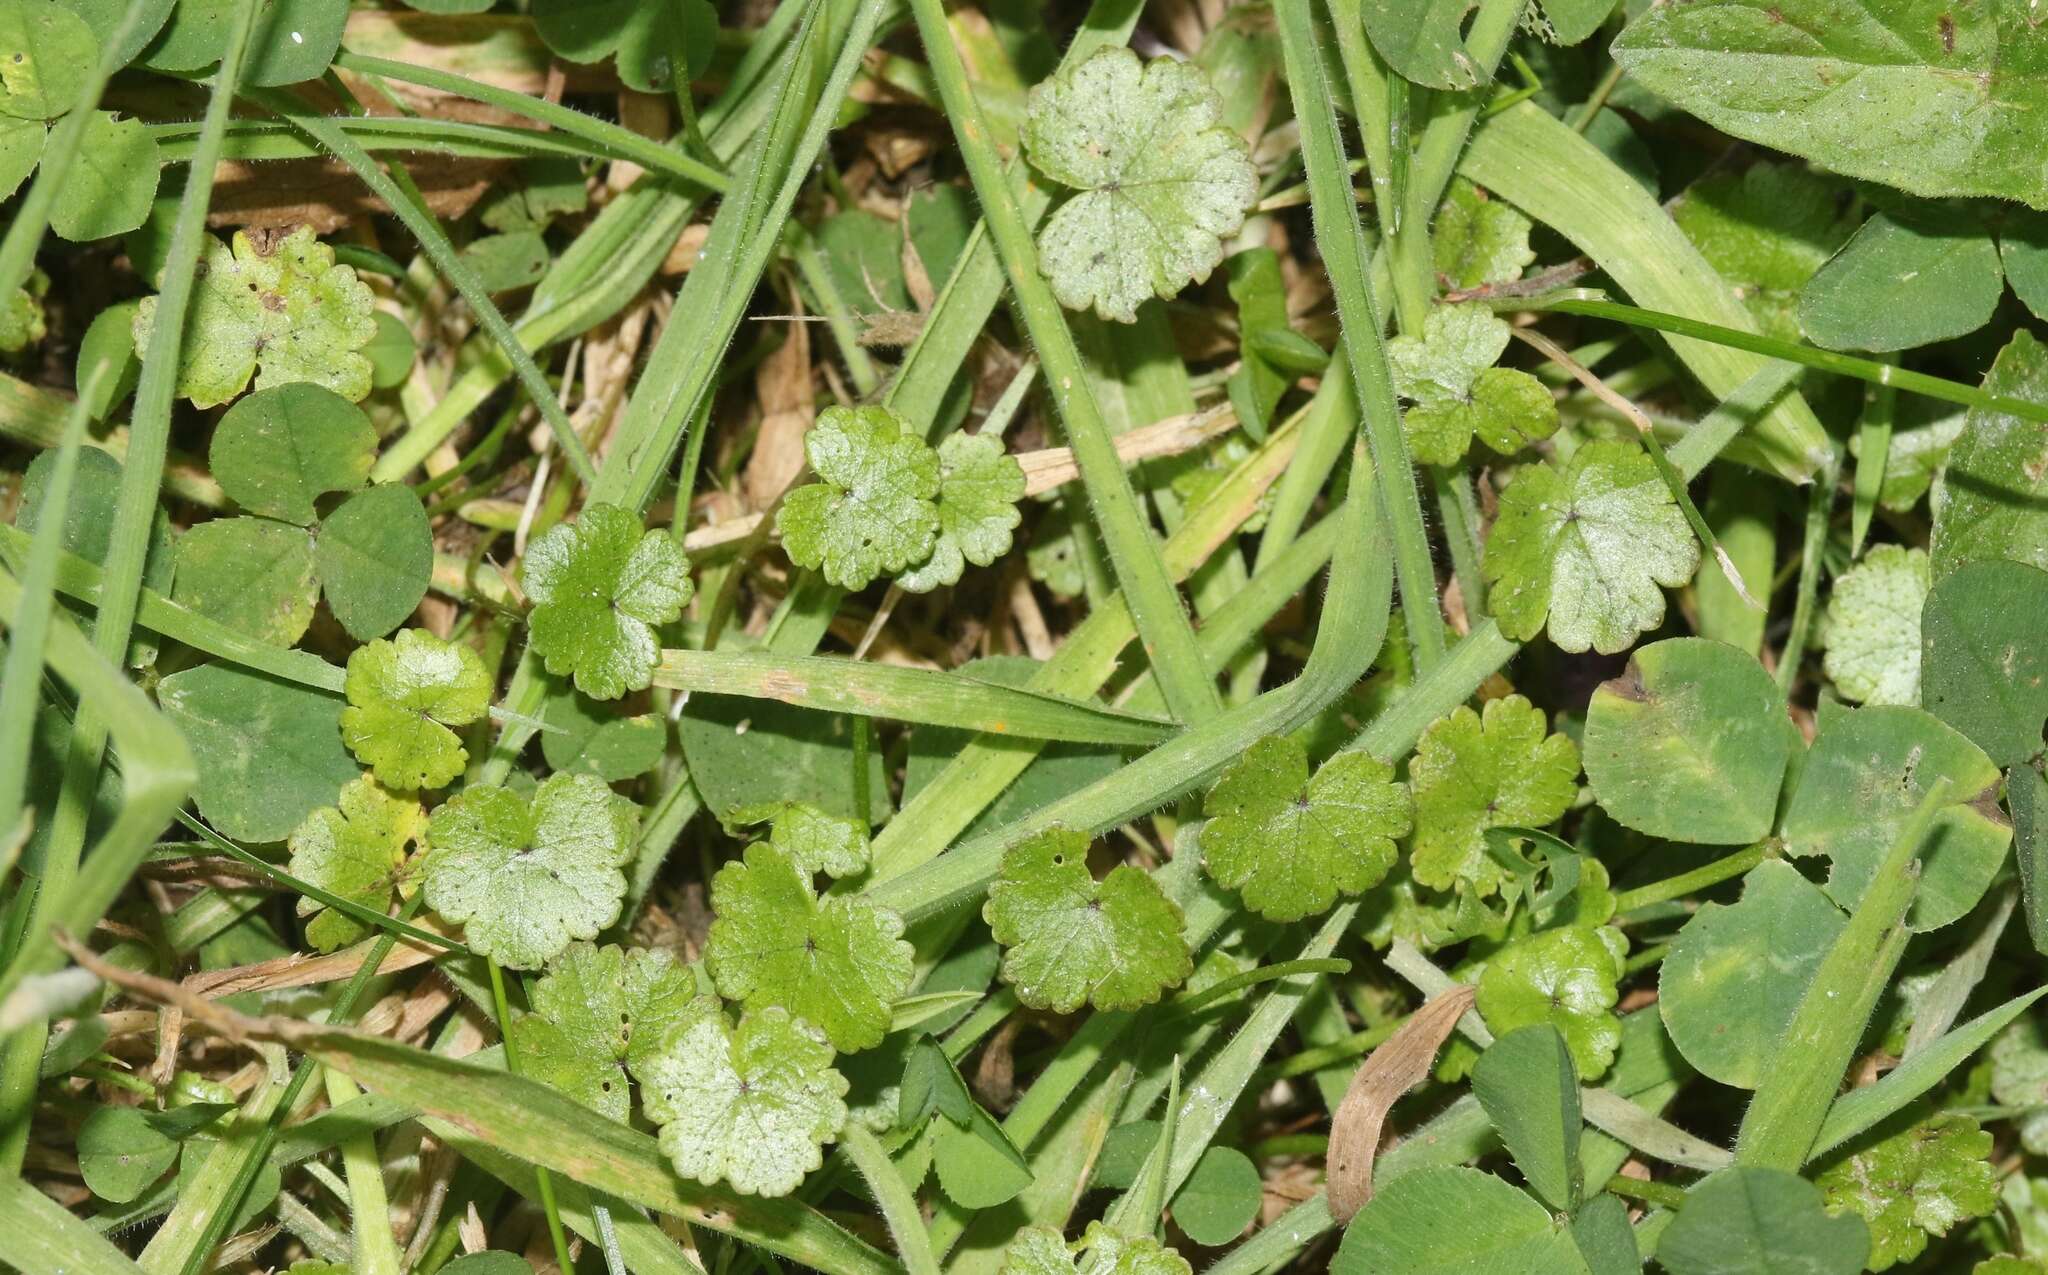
(1388, 1072)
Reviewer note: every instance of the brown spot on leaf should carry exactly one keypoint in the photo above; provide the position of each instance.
(1947, 23)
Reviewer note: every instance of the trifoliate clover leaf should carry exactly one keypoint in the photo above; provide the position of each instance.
(599, 1011)
(748, 1106)
(1477, 239)
(979, 487)
(1474, 772)
(51, 55)
(528, 877)
(1587, 546)
(814, 841)
(1291, 844)
(1447, 373)
(1873, 627)
(1916, 1182)
(1568, 978)
(838, 963)
(287, 315)
(1070, 940)
(278, 450)
(403, 696)
(872, 510)
(645, 37)
(1161, 180)
(1040, 1250)
(599, 585)
(356, 849)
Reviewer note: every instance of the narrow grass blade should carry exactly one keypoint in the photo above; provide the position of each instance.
(43, 1235)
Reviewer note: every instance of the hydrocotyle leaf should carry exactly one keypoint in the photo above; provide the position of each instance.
(357, 849)
(1873, 627)
(873, 509)
(1567, 977)
(404, 696)
(599, 1011)
(1919, 1180)
(1472, 772)
(979, 487)
(599, 587)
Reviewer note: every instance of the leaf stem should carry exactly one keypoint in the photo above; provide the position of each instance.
(1677, 887)
(894, 1197)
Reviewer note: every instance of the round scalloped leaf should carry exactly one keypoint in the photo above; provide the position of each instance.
(814, 841)
(278, 450)
(50, 57)
(1041, 1250)
(1477, 239)
(839, 963)
(1161, 180)
(527, 878)
(872, 512)
(1873, 627)
(645, 37)
(1446, 1219)
(1690, 744)
(599, 587)
(403, 697)
(269, 752)
(1568, 978)
(293, 41)
(979, 487)
(1745, 1221)
(598, 1011)
(254, 575)
(1737, 971)
(356, 849)
(375, 556)
(1291, 844)
(748, 1106)
(111, 182)
(1864, 776)
(1472, 772)
(1917, 1180)
(1070, 940)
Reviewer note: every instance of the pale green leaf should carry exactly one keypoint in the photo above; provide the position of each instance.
(814, 841)
(1916, 1181)
(872, 512)
(403, 696)
(599, 587)
(1040, 1250)
(1474, 772)
(51, 55)
(1873, 627)
(1567, 977)
(599, 1011)
(979, 487)
(357, 849)
(1477, 239)
(111, 182)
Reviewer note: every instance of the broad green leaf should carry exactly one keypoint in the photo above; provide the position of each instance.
(1421, 41)
(89, 525)
(1734, 976)
(1041, 1250)
(403, 696)
(111, 183)
(1291, 844)
(1760, 1222)
(1904, 282)
(120, 1155)
(1569, 978)
(525, 877)
(1863, 777)
(1990, 500)
(586, 736)
(599, 587)
(745, 752)
(110, 338)
(1159, 180)
(872, 512)
(2019, 1078)
(1472, 772)
(814, 841)
(51, 55)
(1984, 670)
(1766, 231)
(1871, 90)
(284, 316)
(1477, 239)
(107, 15)
(391, 352)
(278, 450)
(1070, 940)
(598, 1012)
(979, 487)
(1220, 1198)
(375, 556)
(749, 1106)
(1570, 21)
(1451, 1220)
(1873, 627)
(294, 40)
(269, 752)
(357, 849)
(977, 1165)
(1604, 1237)
(505, 262)
(644, 37)
(1587, 546)
(838, 963)
(1526, 1082)
(21, 146)
(1447, 373)
(1689, 744)
(254, 575)
(1918, 1180)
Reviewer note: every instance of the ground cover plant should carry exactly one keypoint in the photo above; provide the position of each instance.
(1396, 636)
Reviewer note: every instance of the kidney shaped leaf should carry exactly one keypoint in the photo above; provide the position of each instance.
(403, 695)
(1161, 180)
(1070, 940)
(527, 877)
(355, 849)
(813, 840)
(749, 1106)
(1291, 844)
(598, 1011)
(979, 487)
(1041, 1250)
(1473, 772)
(872, 509)
(1569, 978)
(599, 585)
(1448, 374)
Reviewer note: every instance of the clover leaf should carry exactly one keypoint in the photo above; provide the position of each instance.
(599, 586)
(1069, 939)
(814, 841)
(1041, 1250)
(356, 849)
(278, 450)
(1477, 239)
(51, 56)
(1291, 844)
(526, 877)
(1917, 1181)
(1161, 180)
(645, 37)
(1873, 627)
(290, 314)
(872, 510)
(839, 963)
(1447, 373)
(599, 1011)
(749, 1106)
(1472, 772)
(1587, 546)
(1567, 977)
(403, 695)
(979, 487)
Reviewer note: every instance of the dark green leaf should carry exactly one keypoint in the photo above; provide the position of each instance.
(269, 752)
(1904, 282)
(1530, 1090)
(1760, 1222)
(374, 558)
(1984, 670)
